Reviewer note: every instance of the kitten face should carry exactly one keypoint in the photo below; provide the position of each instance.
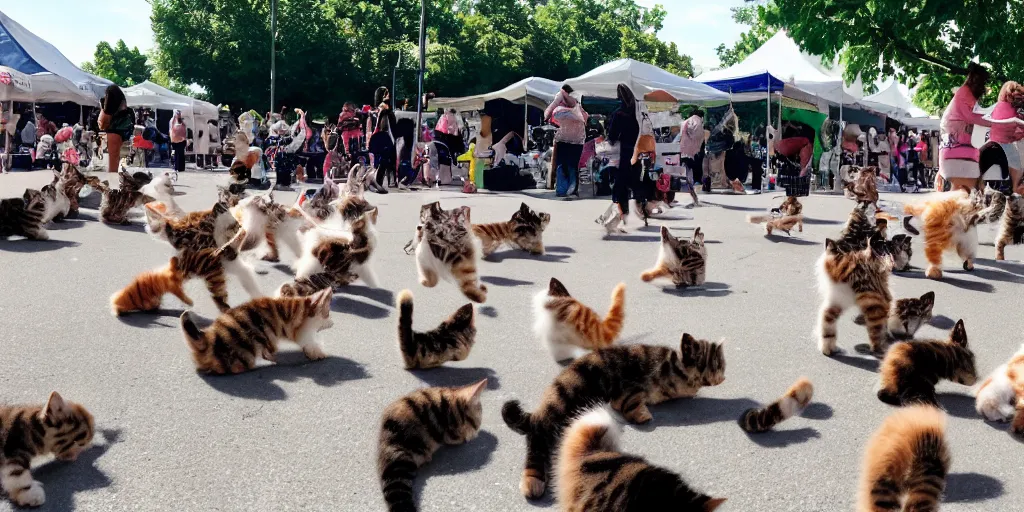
(69, 427)
(526, 215)
(901, 249)
(703, 357)
(910, 314)
(230, 195)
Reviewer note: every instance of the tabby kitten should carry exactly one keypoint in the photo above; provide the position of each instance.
(319, 206)
(446, 249)
(245, 337)
(629, 377)
(864, 189)
(146, 291)
(1011, 225)
(907, 315)
(450, 341)
(905, 462)
(304, 286)
(116, 203)
(564, 325)
(911, 369)
(1003, 391)
(26, 431)
(72, 181)
(859, 229)
(204, 229)
(791, 206)
(682, 261)
(901, 251)
(792, 403)
(57, 203)
(524, 231)
(949, 221)
(23, 216)
(594, 475)
(344, 256)
(858, 278)
(414, 427)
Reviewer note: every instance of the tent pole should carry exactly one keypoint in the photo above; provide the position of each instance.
(526, 117)
(767, 123)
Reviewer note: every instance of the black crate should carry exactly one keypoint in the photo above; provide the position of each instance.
(798, 186)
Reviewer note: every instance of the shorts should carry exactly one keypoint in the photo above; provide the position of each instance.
(958, 168)
(1012, 155)
(122, 124)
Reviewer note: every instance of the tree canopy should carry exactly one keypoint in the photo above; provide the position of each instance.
(760, 32)
(122, 65)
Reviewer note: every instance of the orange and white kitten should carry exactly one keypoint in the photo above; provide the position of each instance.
(566, 325)
(999, 395)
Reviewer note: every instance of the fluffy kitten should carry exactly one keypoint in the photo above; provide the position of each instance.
(905, 462)
(1003, 391)
(901, 250)
(858, 278)
(146, 291)
(859, 229)
(246, 336)
(342, 254)
(414, 427)
(911, 369)
(792, 403)
(524, 231)
(57, 203)
(71, 182)
(949, 221)
(564, 325)
(1011, 225)
(791, 206)
(628, 377)
(450, 341)
(592, 474)
(23, 216)
(161, 189)
(205, 229)
(907, 315)
(28, 431)
(785, 223)
(116, 203)
(682, 261)
(864, 189)
(446, 249)
(319, 205)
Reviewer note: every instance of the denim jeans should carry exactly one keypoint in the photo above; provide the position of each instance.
(567, 167)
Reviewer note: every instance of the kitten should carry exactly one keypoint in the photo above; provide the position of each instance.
(345, 256)
(682, 261)
(792, 403)
(564, 325)
(859, 229)
(319, 205)
(901, 251)
(996, 202)
(1011, 225)
(231, 194)
(414, 427)
(910, 370)
(26, 431)
(785, 223)
(162, 190)
(72, 181)
(205, 229)
(1002, 393)
(949, 221)
(446, 249)
(116, 203)
(594, 475)
(23, 216)
(450, 341)
(305, 286)
(629, 377)
(524, 231)
(905, 462)
(858, 278)
(246, 336)
(146, 291)
(907, 316)
(865, 188)
(57, 203)
(791, 206)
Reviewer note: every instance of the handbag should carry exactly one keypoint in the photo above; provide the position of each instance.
(664, 183)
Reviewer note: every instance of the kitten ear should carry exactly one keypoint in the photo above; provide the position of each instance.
(472, 392)
(373, 215)
(321, 300)
(687, 340)
(525, 210)
(665, 235)
(830, 245)
(928, 299)
(959, 334)
(557, 289)
(698, 236)
(713, 504)
(56, 407)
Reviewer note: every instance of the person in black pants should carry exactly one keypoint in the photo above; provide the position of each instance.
(624, 129)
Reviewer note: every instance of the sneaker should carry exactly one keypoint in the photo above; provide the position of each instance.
(402, 186)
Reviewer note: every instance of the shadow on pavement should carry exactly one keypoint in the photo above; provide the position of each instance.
(457, 459)
(149, 318)
(560, 249)
(453, 376)
(504, 281)
(942, 322)
(343, 304)
(960, 406)
(516, 254)
(33, 246)
(864, 363)
(818, 411)
(970, 487)
(784, 438)
(385, 297)
(790, 240)
(708, 289)
(959, 283)
(697, 411)
(260, 384)
(62, 480)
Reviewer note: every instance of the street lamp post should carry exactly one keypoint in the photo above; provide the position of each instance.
(394, 72)
(423, 65)
(273, 52)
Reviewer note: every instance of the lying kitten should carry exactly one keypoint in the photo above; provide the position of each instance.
(905, 461)
(858, 278)
(564, 325)
(1001, 393)
(23, 216)
(446, 249)
(628, 377)
(414, 427)
(523, 231)
(792, 403)
(682, 261)
(594, 475)
(450, 341)
(26, 431)
(907, 316)
(910, 370)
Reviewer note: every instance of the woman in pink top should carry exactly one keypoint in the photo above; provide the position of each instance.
(1010, 106)
(178, 133)
(571, 119)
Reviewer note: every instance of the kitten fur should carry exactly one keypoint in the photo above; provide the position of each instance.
(146, 291)
(1011, 225)
(564, 325)
(628, 377)
(682, 261)
(57, 203)
(592, 474)
(791, 206)
(414, 427)
(23, 216)
(905, 462)
(450, 341)
(858, 278)
(907, 315)
(949, 221)
(910, 370)
(446, 249)
(62, 428)
(901, 250)
(343, 254)
(785, 223)
(996, 202)
(791, 404)
(205, 229)
(72, 181)
(116, 203)
(1002, 393)
(247, 336)
(161, 189)
(523, 231)
(859, 229)
(864, 189)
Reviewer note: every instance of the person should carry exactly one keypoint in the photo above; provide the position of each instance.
(623, 129)
(118, 122)
(348, 123)
(44, 127)
(1011, 101)
(566, 112)
(28, 133)
(381, 141)
(178, 134)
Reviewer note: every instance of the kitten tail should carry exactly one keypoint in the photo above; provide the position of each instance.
(516, 419)
(594, 430)
(793, 402)
(193, 335)
(612, 324)
(758, 219)
(406, 338)
(396, 477)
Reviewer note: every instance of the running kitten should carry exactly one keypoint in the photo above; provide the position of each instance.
(116, 203)
(446, 249)
(858, 278)
(785, 223)
(907, 316)
(1011, 225)
(565, 325)
(205, 229)
(23, 216)
(344, 256)
(911, 369)
(905, 462)
(246, 336)
(791, 404)
(682, 261)
(28, 431)
(414, 427)
(1002, 393)
(791, 206)
(146, 291)
(629, 377)
(450, 341)
(594, 475)
(949, 222)
(523, 231)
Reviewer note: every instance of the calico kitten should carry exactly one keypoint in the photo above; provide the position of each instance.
(858, 278)
(23, 216)
(246, 336)
(231, 194)
(1011, 225)
(1003, 391)
(343, 256)
(26, 431)
(792, 403)
(57, 203)
(450, 341)
(629, 377)
(785, 223)
(593, 474)
(414, 427)
(524, 231)
(146, 291)
(304, 286)
(564, 325)
(996, 205)
(907, 315)
(949, 221)
(905, 462)
(682, 261)
(910, 370)
(319, 205)
(446, 249)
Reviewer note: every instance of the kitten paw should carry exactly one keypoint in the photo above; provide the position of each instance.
(34, 496)
(640, 417)
(531, 487)
(1000, 257)
(968, 265)
(933, 273)
(314, 352)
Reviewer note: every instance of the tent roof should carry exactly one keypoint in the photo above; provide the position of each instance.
(642, 78)
(26, 52)
(40, 88)
(149, 94)
(539, 92)
(891, 101)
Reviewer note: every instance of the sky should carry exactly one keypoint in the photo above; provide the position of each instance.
(698, 26)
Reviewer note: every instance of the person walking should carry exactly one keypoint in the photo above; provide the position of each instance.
(117, 121)
(1009, 106)
(567, 113)
(178, 135)
(624, 130)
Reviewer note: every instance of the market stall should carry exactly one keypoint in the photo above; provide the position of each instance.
(642, 79)
(196, 113)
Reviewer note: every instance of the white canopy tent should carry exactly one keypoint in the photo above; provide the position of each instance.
(642, 78)
(538, 92)
(891, 101)
(40, 88)
(196, 113)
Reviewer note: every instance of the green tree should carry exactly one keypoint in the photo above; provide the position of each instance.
(759, 33)
(122, 65)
